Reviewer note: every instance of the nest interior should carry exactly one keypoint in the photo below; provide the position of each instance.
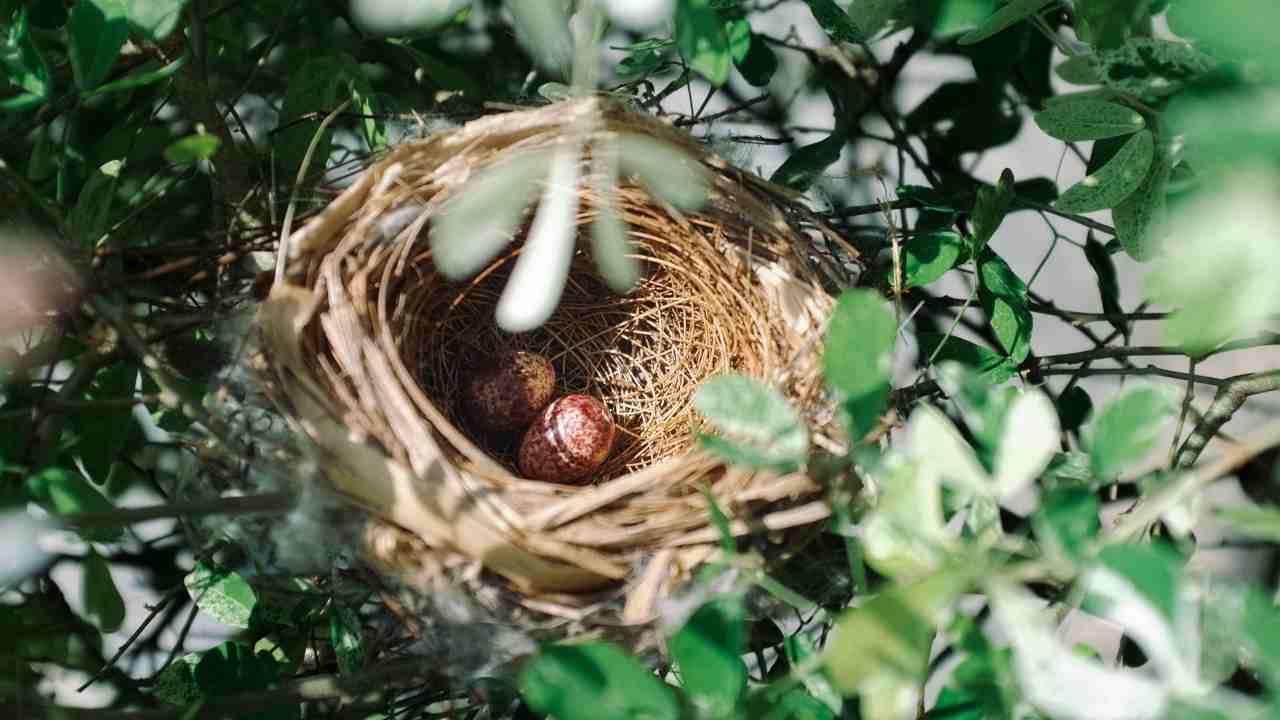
(371, 347)
(643, 353)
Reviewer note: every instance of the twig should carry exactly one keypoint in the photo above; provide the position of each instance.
(1150, 508)
(695, 120)
(155, 612)
(1148, 370)
(378, 682)
(1231, 396)
(241, 504)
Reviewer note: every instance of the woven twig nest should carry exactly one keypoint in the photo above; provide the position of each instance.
(369, 345)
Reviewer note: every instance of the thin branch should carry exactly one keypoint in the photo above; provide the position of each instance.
(1151, 507)
(1230, 398)
(1148, 370)
(1156, 350)
(276, 502)
(696, 120)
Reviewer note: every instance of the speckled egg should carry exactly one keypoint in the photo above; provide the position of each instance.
(570, 440)
(508, 394)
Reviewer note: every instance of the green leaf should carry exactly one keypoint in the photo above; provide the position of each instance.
(1242, 33)
(996, 367)
(759, 64)
(871, 16)
(1258, 522)
(104, 431)
(1115, 181)
(989, 209)
(1151, 69)
(97, 30)
(928, 256)
(1089, 118)
(233, 667)
(63, 492)
(1127, 429)
(1152, 573)
(904, 537)
(708, 651)
(348, 641)
(1074, 407)
(835, 21)
(1067, 521)
(1108, 285)
(176, 684)
(1080, 70)
(701, 39)
(221, 593)
(155, 19)
(102, 602)
(786, 702)
(799, 648)
(24, 67)
(808, 162)
(594, 680)
(1011, 13)
(89, 218)
(314, 88)
(1108, 23)
(755, 418)
(192, 149)
(1003, 296)
(889, 636)
(148, 73)
(738, 32)
(858, 356)
(443, 75)
(45, 15)
(1141, 218)
(1219, 264)
(982, 408)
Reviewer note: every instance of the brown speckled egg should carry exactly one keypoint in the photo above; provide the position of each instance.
(508, 394)
(570, 440)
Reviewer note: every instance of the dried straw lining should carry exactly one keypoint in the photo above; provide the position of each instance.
(370, 347)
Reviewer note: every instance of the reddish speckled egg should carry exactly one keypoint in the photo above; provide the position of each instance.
(509, 394)
(570, 440)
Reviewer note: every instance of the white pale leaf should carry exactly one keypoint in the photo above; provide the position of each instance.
(936, 443)
(639, 14)
(609, 245)
(477, 222)
(392, 18)
(1173, 651)
(535, 285)
(20, 532)
(543, 28)
(1027, 443)
(1063, 683)
(666, 171)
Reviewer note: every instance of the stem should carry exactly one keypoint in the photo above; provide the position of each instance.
(1150, 508)
(277, 502)
(1231, 396)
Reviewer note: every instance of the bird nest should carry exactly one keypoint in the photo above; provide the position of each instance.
(369, 346)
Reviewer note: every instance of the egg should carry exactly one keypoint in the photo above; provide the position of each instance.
(509, 393)
(570, 440)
